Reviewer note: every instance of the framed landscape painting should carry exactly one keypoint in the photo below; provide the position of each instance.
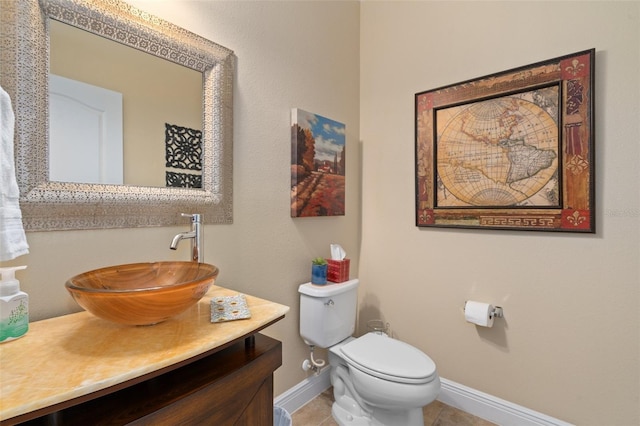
(317, 165)
(512, 150)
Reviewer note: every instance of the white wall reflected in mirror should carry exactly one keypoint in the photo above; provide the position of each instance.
(85, 132)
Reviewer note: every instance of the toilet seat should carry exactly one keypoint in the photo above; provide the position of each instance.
(389, 359)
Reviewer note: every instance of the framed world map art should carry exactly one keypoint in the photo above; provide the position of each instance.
(512, 150)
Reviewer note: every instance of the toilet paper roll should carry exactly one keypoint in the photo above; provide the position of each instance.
(478, 313)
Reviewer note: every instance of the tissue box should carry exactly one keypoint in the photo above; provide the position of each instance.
(338, 270)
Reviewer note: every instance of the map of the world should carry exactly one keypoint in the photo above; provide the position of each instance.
(499, 152)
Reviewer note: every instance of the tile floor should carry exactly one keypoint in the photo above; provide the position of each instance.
(318, 413)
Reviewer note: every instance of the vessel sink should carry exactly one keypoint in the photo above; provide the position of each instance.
(142, 293)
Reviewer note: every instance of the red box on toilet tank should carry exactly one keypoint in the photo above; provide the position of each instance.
(338, 270)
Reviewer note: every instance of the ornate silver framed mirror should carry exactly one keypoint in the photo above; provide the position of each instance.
(24, 74)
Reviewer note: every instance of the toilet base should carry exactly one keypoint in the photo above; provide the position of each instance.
(346, 410)
(406, 418)
(346, 418)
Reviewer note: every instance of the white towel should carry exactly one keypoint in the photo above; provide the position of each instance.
(13, 242)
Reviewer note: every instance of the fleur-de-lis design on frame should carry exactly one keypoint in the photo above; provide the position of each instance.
(575, 67)
(425, 216)
(575, 219)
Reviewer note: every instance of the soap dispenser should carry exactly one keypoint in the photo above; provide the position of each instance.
(14, 305)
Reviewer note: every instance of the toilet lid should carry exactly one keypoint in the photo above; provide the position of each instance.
(389, 359)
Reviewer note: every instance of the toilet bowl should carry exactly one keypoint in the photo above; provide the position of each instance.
(377, 380)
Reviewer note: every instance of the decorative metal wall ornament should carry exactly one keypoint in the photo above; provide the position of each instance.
(512, 150)
(183, 147)
(183, 150)
(183, 180)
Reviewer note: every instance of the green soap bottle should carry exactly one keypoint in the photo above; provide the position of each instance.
(14, 305)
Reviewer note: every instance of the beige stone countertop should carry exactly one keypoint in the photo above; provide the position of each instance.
(73, 355)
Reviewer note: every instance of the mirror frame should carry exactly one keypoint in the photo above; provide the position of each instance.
(24, 70)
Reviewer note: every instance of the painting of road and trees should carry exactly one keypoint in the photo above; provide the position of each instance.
(317, 165)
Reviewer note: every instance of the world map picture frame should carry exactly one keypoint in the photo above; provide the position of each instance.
(512, 150)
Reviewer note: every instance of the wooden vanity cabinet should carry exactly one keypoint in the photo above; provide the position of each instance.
(229, 385)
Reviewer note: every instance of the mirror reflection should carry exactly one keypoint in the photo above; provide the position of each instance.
(71, 203)
(119, 115)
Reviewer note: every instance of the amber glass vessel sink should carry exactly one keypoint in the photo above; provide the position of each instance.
(142, 293)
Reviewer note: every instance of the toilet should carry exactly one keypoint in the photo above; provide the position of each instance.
(377, 380)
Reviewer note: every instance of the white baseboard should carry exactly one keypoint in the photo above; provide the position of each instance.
(469, 400)
(491, 408)
(297, 396)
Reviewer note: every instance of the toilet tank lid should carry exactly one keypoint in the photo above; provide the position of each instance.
(327, 290)
(389, 359)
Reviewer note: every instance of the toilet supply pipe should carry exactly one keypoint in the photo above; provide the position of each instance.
(314, 364)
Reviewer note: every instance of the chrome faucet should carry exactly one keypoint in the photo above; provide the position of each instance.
(195, 235)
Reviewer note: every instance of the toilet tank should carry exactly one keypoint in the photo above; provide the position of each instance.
(328, 312)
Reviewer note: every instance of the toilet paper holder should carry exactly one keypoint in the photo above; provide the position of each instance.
(495, 313)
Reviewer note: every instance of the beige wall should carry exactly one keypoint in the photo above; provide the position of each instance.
(289, 55)
(568, 346)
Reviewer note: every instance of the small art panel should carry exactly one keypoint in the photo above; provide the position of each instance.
(183, 151)
(317, 165)
(512, 150)
(183, 180)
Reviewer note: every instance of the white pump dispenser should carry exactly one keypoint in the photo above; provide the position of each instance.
(14, 305)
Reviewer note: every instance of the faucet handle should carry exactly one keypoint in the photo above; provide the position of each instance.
(195, 217)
